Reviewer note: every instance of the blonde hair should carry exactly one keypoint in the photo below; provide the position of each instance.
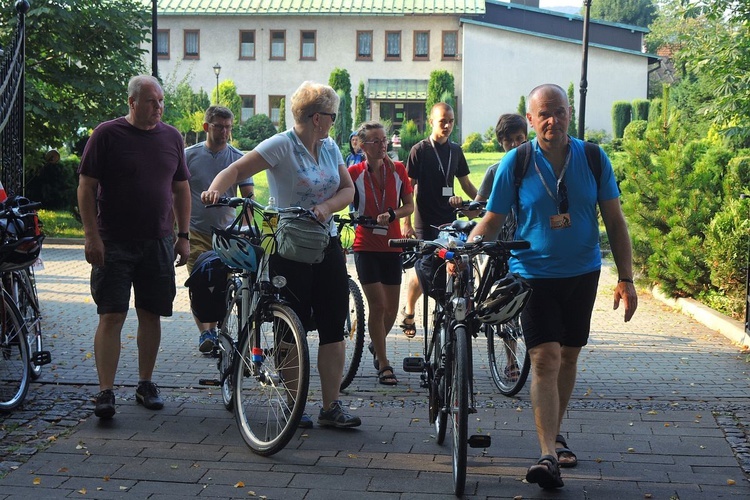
(311, 98)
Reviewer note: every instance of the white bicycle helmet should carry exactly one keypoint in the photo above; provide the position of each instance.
(235, 251)
(505, 301)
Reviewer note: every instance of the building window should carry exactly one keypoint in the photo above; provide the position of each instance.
(248, 107)
(162, 44)
(392, 45)
(307, 45)
(450, 44)
(364, 45)
(247, 44)
(278, 45)
(422, 45)
(192, 44)
(274, 105)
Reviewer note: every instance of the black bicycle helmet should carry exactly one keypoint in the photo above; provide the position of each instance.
(235, 251)
(21, 253)
(408, 259)
(505, 301)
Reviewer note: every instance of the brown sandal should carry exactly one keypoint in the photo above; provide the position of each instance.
(410, 329)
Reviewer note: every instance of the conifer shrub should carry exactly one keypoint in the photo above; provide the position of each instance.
(473, 143)
(636, 130)
(640, 109)
(621, 116)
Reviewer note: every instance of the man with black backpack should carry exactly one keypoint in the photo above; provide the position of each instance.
(556, 199)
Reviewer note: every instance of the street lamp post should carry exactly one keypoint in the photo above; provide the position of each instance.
(217, 71)
(584, 71)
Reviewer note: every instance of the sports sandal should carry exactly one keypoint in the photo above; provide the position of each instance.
(512, 372)
(387, 378)
(564, 453)
(545, 473)
(410, 329)
(375, 361)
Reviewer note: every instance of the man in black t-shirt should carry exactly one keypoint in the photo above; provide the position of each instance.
(433, 165)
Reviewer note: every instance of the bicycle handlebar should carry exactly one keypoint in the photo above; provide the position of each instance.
(358, 220)
(236, 201)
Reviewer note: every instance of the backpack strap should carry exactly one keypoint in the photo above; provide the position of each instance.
(523, 157)
(594, 159)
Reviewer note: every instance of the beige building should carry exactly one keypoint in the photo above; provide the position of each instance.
(268, 47)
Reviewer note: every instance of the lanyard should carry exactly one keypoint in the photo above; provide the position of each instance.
(445, 172)
(554, 197)
(379, 206)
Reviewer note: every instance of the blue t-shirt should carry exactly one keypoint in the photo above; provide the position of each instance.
(554, 253)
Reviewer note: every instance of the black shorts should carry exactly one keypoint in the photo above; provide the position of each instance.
(559, 310)
(318, 291)
(147, 266)
(378, 267)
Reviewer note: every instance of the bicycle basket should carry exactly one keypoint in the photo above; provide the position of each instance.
(17, 254)
(236, 251)
(505, 301)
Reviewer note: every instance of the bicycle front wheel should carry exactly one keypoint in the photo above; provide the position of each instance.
(354, 334)
(509, 361)
(459, 409)
(229, 333)
(271, 377)
(15, 365)
(28, 306)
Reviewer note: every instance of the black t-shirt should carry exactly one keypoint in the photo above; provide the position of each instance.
(432, 208)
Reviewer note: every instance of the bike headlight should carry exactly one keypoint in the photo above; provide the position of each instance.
(278, 281)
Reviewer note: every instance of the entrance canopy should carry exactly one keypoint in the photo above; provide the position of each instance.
(397, 89)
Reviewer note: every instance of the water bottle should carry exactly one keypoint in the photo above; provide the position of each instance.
(269, 225)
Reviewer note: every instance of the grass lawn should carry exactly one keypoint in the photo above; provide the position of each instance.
(62, 224)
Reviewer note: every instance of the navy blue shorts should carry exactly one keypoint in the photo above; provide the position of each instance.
(559, 310)
(378, 267)
(147, 266)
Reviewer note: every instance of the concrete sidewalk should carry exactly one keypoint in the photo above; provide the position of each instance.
(660, 410)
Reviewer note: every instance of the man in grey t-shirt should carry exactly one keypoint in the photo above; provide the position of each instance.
(205, 160)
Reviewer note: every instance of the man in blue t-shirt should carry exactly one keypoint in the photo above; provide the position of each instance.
(557, 213)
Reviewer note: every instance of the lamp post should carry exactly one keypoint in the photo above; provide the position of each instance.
(584, 71)
(154, 42)
(217, 71)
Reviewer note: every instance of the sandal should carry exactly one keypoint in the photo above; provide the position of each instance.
(410, 329)
(512, 372)
(545, 473)
(387, 378)
(565, 453)
(375, 361)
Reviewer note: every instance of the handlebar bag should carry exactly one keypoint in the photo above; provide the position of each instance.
(302, 239)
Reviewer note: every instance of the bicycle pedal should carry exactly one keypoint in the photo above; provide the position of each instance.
(413, 364)
(40, 358)
(479, 441)
(210, 382)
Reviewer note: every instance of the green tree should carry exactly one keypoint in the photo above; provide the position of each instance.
(255, 130)
(79, 58)
(522, 106)
(441, 83)
(360, 114)
(342, 84)
(229, 97)
(282, 114)
(635, 12)
(572, 127)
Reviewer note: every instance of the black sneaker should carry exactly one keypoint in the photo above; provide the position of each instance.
(337, 416)
(147, 394)
(105, 404)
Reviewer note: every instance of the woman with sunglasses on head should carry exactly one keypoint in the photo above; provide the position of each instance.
(382, 191)
(305, 169)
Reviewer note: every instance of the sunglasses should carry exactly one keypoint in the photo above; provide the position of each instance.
(562, 197)
(332, 115)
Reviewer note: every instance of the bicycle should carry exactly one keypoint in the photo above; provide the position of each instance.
(354, 327)
(506, 346)
(20, 339)
(447, 365)
(262, 354)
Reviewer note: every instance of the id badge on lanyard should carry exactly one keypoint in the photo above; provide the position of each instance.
(447, 189)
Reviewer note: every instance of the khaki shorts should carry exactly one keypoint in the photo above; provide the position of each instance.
(199, 243)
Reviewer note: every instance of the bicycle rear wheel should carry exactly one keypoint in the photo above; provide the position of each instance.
(28, 306)
(459, 409)
(509, 361)
(271, 377)
(15, 366)
(354, 334)
(228, 336)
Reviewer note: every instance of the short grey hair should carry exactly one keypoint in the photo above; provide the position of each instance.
(136, 84)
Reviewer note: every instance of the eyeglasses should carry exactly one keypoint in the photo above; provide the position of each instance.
(332, 115)
(228, 128)
(378, 142)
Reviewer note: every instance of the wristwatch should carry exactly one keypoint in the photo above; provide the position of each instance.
(184, 235)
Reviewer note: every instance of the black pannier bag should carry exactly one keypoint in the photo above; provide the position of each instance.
(208, 287)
